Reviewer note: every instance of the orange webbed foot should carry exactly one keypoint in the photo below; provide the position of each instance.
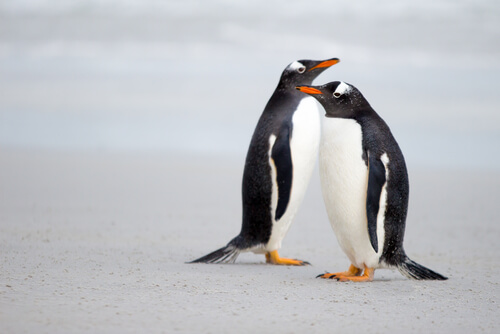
(353, 274)
(274, 258)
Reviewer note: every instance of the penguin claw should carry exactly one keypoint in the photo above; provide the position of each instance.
(334, 276)
(291, 262)
(327, 276)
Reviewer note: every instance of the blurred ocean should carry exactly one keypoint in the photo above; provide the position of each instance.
(194, 76)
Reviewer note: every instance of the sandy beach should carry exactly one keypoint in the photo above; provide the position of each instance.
(97, 243)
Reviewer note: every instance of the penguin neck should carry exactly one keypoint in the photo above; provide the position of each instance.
(355, 113)
(289, 84)
(285, 86)
(366, 117)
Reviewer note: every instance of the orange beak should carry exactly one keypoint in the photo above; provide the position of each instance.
(326, 63)
(308, 90)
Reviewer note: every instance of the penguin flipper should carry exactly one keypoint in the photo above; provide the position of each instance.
(376, 181)
(281, 156)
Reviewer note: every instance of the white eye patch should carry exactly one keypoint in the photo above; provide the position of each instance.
(342, 88)
(295, 65)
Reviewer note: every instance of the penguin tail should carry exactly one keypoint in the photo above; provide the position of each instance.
(227, 254)
(413, 270)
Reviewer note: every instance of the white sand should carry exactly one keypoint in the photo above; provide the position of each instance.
(97, 243)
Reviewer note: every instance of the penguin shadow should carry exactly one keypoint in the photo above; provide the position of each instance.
(247, 260)
(248, 263)
(384, 277)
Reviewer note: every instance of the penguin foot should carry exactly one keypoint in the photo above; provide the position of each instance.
(352, 271)
(353, 274)
(274, 258)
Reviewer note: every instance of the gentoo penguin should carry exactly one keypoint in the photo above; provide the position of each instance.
(365, 185)
(278, 166)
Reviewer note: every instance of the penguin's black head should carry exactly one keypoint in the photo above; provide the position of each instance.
(303, 72)
(339, 99)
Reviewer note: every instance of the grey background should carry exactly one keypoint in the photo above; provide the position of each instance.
(193, 76)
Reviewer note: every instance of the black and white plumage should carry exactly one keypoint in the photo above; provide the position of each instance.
(278, 166)
(364, 183)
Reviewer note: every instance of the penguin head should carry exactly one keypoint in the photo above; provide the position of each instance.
(339, 99)
(303, 72)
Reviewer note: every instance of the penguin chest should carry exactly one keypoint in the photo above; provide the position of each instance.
(344, 182)
(304, 145)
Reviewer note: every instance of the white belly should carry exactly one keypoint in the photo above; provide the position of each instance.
(304, 146)
(344, 181)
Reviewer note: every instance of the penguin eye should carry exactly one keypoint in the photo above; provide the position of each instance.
(337, 95)
(301, 69)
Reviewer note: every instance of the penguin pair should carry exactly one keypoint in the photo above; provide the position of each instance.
(363, 177)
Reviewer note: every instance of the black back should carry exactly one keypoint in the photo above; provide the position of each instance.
(377, 140)
(276, 120)
(257, 184)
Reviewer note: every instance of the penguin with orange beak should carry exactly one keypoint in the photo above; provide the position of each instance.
(365, 185)
(278, 167)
